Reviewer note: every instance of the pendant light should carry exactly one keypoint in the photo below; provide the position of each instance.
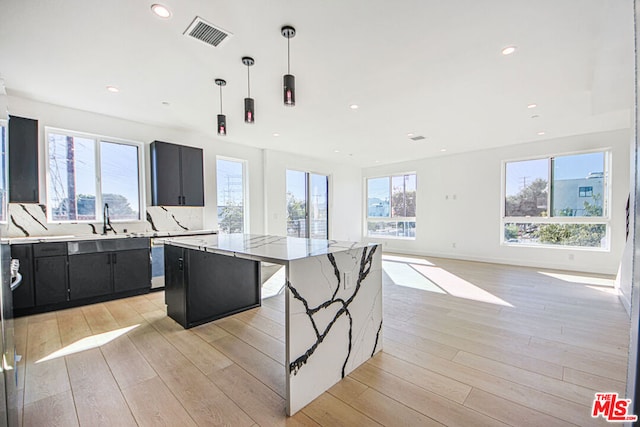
(249, 107)
(289, 81)
(222, 119)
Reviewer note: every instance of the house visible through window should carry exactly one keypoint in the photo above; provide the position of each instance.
(391, 206)
(230, 177)
(560, 200)
(87, 172)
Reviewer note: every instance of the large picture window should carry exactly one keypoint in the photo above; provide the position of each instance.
(558, 201)
(230, 176)
(391, 206)
(85, 173)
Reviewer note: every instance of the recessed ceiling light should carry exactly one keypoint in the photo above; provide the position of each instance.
(541, 133)
(508, 50)
(442, 150)
(276, 134)
(336, 151)
(113, 89)
(354, 106)
(377, 161)
(532, 105)
(161, 11)
(410, 135)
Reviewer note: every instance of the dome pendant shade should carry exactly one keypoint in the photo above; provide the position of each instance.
(289, 84)
(222, 124)
(249, 111)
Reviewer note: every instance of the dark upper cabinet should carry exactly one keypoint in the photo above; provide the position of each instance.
(176, 175)
(23, 160)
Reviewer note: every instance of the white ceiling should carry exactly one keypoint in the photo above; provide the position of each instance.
(432, 68)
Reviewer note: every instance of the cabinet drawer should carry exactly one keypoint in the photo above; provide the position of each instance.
(49, 249)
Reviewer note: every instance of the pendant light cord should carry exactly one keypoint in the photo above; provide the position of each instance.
(248, 83)
(220, 99)
(288, 56)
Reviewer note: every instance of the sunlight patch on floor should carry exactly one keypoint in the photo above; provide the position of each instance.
(275, 284)
(605, 289)
(406, 259)
(458, 287)
(573, 278)
(88, 343)
(403, 275)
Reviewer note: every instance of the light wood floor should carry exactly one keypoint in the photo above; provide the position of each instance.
(533, 356)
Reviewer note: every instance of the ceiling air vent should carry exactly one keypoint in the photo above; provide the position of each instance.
(206, 32)
(417, 138)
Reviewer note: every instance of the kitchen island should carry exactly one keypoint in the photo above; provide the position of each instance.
(333, 299)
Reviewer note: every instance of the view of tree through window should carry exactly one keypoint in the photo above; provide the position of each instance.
(391, 206)
(556, 195)
(75, 179)
(307, 204)
(230, 183)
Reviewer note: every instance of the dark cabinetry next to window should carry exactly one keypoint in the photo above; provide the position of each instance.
(176, 175)
(23, 160)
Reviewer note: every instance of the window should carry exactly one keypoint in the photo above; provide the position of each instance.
(585, 192)
(391, 206)
(3, 171)
(560, 201)
(307, 205)
(87, 172)
(230, 176)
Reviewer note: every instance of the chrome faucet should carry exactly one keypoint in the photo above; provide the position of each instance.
(106, 222)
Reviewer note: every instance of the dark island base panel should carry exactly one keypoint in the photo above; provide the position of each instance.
(202, 286)
(77, 303)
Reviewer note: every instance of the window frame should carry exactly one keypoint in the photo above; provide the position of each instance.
(605, 219)
(389, 218)
(245, 190)
(307, 178)
(5, 172)
(97, 139)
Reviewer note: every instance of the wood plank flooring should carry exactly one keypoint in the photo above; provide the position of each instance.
(496, 346)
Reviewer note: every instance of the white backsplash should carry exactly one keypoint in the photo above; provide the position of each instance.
(30, 220)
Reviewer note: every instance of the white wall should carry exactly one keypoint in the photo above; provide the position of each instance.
(472, 219)
(345, 194)
(82, 121)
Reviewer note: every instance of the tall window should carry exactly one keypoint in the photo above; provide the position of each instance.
(307, 205)
(3, 171)
(391, 206)
(230, 175)
(86, 173)
(559, 200)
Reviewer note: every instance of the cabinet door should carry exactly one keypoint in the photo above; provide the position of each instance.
(90, 275)
(192, 178)
(24, 296)
(174, 284)
(131, 270)
(50, 280)
(165, 174)
(23, 160)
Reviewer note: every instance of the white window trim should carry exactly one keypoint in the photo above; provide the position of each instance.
(97, 138)
(308, 173)
(245, 190)
(5, 124)
(368, 219)
(605, 219)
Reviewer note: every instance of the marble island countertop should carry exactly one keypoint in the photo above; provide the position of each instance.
(277, 249)
(110, 235)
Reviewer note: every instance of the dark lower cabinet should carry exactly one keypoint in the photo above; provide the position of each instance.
(131, 270)
(24, 295)
(90, 275)
(58, 275)
(50, 274)
(203, 286)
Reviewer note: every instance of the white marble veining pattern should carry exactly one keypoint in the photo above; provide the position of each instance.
(264, 247)
(30, 219)
(333, 318)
